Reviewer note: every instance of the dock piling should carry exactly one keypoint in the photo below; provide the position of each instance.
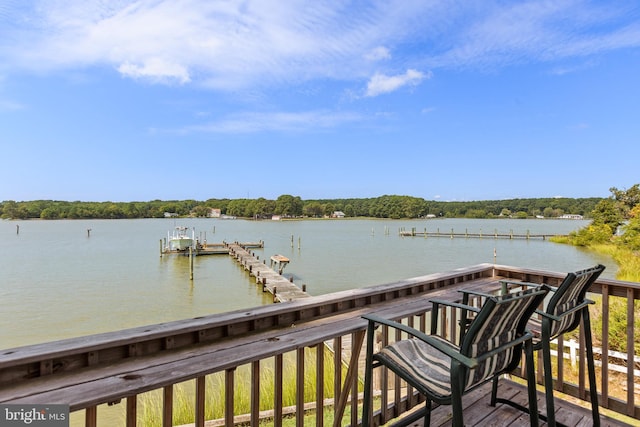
(190, 263)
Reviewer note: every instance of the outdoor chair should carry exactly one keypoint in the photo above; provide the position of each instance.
(443, 371)
(566, 309)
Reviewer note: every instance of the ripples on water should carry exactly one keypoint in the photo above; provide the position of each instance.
(58, 282)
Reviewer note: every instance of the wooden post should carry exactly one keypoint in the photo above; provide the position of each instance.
(160, 248)
(17, 229)
(190, 263)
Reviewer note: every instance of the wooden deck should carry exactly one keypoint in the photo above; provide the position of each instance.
(120, 366)
(478, 412)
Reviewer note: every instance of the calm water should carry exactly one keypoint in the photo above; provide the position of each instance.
(58, 282)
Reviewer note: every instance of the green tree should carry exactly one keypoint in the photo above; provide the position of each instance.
(631, 231)
(608, 213)
(287, 205)
(313, 209)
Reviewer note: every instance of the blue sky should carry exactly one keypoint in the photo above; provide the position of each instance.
(445, 100)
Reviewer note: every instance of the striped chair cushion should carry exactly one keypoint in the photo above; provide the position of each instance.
(568, 301)
(428, 366)
(498, 329)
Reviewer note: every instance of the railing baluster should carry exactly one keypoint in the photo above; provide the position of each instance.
(320, 385)
(630, 353)
(91, 416)
(397, 385)
(167, 406)
(229, 386)
(300, 387)
(337, 375)
(200, 391)
(357, 338)
(255, 393)
(277, 395)
(411, 401)
(132, 411)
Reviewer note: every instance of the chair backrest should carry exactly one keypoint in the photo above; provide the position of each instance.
(570, 294)
(490, 337)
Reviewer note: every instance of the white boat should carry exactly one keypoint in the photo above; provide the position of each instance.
(180, 239)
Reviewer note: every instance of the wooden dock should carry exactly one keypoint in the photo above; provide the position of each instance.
(495, 235)
(208, 248)
(272, 281)
(268, 276)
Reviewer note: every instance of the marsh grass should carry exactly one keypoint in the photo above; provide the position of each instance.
(150, 404)
(628, 260)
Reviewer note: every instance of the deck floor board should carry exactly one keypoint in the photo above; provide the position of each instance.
(478, 412)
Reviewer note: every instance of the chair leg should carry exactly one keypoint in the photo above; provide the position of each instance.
(494, 391)
(456, 396)
(548, 382)
(593, 391)
(531, 384)
(427, 412)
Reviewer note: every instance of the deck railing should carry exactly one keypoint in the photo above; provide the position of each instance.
(254, 354)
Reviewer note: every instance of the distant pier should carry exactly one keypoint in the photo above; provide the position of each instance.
(268, 276)
(283, 289)
(205, 248)
(495, 235)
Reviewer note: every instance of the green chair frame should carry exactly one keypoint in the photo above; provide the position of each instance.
(492, 344)
(566, 309)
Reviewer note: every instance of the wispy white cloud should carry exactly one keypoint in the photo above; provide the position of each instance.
(253, 122)
(541, 31)
(380, 83)
(6, 105)
(378, 53)
(250, 43)
(156, 69)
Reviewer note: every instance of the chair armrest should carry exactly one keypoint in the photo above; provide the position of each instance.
(578, 307)
(427, 339)
(506, 285)
(455, 305)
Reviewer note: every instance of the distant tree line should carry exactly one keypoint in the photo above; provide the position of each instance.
(388, 206)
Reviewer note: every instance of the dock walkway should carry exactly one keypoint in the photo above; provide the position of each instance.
(205, 248)
(271, 281)
(495, 235)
